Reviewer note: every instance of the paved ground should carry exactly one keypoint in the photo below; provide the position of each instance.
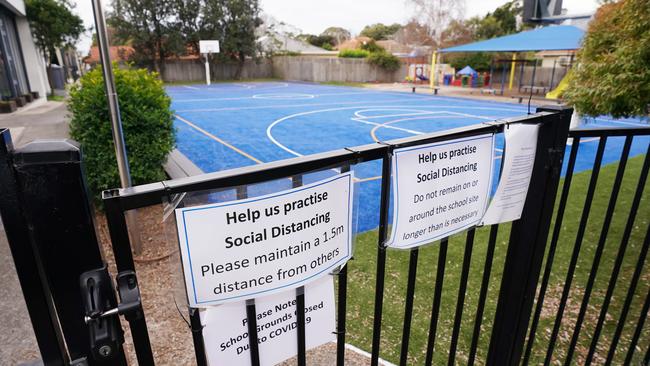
(45, 120)
(17, 342)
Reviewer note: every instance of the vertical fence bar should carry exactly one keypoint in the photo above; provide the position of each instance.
(599, 248)
(528, 238)
(381, 256)
(251, 313)
(576, 249)
(342, 302)
(460, 303)
(551, 250)
(637, 331)
(640, 261)
(35, 288)
(296, 181)
(408, 308)
(437, 297)
(197, 337)
(119, 233)
(251, 316)
(487, 270)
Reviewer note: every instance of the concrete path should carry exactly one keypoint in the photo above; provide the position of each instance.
(45, 120)
(17, 343)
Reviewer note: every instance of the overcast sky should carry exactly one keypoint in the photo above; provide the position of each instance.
(313, 16)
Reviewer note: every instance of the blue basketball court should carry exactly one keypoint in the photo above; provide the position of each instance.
(231, 125)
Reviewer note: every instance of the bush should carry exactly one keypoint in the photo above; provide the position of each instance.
(613, 70)
(372, 46)
(147, 123)
(354, 53)
(385, 60)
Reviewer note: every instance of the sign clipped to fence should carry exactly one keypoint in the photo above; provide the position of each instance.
(226, 335)
(255, 247)
(509, 199)
(440, 189)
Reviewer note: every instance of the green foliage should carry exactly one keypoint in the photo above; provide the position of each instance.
(613, 71)
(354, 53)
(479, 61)
(339, 34)
(164, 28)
(385, 60)
(147, 124)
(53, 24)
(372, 46)
(380, 31)
(320, 41)
(327, 46)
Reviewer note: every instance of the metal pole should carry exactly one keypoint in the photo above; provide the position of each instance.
(207, 70)
(114, 112)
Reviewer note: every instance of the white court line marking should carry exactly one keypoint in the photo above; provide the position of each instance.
(280, 120)
(190, 87)
(444, 107)
(597, 120)
(256, 96)
(418, 112)
(215, 138)
(584, 141)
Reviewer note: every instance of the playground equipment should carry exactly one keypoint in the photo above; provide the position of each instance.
(559, 90)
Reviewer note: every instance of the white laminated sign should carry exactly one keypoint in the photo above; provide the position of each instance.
(255, 247)
(225, 332)
(440, 189)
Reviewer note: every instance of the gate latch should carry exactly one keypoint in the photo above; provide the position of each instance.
(127, 288)
(101, 308)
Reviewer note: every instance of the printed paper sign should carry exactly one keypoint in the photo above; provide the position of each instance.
(255, 247)
(225, 334)
(508, 202)
(440, 189)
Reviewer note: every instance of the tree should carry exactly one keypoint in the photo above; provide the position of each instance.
(321, 41)
(414, 33)
(457, 32)
(147, 26)
(437, 14)
(507, 14)
(338, 34)
(612, 75)
(240, 19)
(379, 31)
(53, 25)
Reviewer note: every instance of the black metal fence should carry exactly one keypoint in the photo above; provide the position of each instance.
(512, 337)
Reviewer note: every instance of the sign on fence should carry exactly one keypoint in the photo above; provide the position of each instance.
(226, 329)
(255, 247)
(440, 189)
(509, 199)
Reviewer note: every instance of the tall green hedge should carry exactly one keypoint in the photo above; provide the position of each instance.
(146, 119)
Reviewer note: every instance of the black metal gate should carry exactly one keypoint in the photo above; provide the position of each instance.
(514, 318)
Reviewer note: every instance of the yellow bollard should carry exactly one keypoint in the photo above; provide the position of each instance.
(512, 70)
(432, 75)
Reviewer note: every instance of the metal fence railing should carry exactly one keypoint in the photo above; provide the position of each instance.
(507, 324)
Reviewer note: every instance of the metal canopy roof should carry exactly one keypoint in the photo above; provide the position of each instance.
(551, 38)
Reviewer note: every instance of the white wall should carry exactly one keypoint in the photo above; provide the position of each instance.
(15, 6)
(34, 63)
